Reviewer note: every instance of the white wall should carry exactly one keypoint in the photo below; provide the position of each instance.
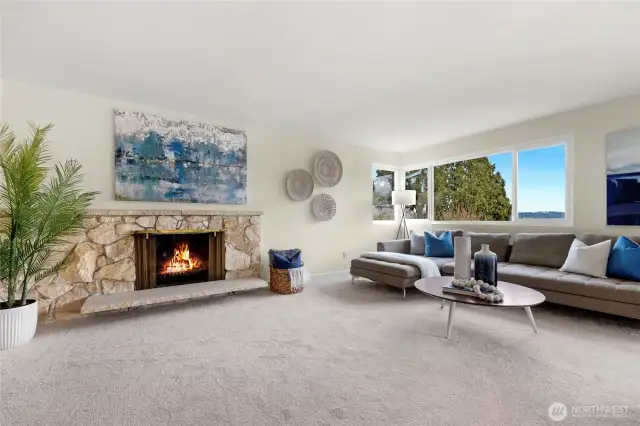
(1, 67)
(588, 127)
(84, 131)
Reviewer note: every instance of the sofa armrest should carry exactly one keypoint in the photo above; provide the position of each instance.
(395, 246)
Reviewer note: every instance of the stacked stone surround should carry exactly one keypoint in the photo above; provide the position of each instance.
(101, 259)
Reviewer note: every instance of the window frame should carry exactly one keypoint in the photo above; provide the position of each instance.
(396, 186)
(566, 140)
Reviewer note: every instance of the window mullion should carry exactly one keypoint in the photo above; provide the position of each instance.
(430, 191)
(514, 187)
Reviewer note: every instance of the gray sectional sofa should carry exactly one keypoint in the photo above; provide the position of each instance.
(531, 260)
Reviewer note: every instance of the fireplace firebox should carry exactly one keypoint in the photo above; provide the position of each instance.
(167, 258)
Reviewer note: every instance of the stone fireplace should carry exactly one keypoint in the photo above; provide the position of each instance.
(104, 260)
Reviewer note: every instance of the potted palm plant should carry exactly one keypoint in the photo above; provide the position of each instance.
(39, 207)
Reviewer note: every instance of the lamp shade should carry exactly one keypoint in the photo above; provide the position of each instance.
(405, 197)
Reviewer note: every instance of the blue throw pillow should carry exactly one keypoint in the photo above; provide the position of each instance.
(287, 259)
(624, 260)
(441, 246)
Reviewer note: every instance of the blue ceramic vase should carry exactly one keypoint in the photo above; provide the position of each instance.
(486, 266)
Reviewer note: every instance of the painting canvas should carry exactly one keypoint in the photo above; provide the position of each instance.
(158, 159)
(623, 177)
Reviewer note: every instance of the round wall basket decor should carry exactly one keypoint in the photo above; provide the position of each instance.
(299, 185)
(327, 168)
(324, 207)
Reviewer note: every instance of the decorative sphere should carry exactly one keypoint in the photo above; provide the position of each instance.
(490, 297)
(492, 288)
(484, 285)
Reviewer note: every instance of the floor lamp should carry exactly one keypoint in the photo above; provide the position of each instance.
(403, 198)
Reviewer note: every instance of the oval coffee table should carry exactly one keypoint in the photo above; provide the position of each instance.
(515, 296)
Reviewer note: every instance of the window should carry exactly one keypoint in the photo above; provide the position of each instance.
(417, 180)
(524, 183)
(478, 189)
(542, 183)
(383, 186)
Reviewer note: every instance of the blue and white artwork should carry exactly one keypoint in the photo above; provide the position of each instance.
(623, 177)
(158, 159)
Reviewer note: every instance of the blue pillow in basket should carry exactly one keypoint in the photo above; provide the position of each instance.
(287, 259)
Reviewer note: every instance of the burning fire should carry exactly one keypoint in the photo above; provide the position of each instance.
(182, 261)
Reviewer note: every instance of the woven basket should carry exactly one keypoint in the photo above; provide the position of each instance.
(279, 282)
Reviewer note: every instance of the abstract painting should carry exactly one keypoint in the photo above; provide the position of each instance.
(623, 177)
(158, 159)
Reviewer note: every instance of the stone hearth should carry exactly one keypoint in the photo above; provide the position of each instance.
(101, 260)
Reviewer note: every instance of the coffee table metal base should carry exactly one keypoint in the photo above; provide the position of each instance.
(452, 311)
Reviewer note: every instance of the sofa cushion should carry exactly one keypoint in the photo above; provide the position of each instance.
(544, 278)
(380, 266)
(498, 243)
(395, 246)
(449, 268)
(384, 278)
(549, 250)
(416, 245)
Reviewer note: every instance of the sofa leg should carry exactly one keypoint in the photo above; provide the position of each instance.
(441, 303)
(353, 280)
(404, 293)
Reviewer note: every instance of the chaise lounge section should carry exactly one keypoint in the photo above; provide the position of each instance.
(532, 261)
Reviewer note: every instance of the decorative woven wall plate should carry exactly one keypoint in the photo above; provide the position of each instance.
(327, 168)
(324, 207)
(299, 185)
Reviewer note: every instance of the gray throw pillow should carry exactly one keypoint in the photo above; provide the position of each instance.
(417, 243)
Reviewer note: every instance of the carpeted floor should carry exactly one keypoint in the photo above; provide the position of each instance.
(335, 354)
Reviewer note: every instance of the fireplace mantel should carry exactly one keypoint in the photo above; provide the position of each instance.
(174, 212)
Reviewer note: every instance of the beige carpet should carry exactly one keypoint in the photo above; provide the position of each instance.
(334, 355)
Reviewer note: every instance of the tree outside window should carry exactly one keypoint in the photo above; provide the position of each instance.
(473, 190)
(417, 180)
(383, 186)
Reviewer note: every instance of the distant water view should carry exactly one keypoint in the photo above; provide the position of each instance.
(541, 215)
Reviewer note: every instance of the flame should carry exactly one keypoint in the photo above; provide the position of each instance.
(182, 261)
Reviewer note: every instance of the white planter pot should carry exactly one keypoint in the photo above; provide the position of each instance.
(18, 325)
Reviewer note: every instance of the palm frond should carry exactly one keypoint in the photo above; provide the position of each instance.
(40, 213)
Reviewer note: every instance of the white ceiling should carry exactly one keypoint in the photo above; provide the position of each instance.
(395, 77)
